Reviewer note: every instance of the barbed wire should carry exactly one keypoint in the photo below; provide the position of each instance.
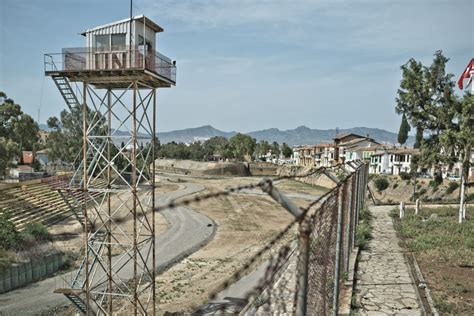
(205, 196)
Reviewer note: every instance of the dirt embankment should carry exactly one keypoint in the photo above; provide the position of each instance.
(426, 190)
(197, 168)
(316, 179)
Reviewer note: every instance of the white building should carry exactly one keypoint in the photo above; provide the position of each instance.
(392, 161)
(20, 170)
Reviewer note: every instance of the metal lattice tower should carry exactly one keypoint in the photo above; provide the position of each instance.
(116, 177)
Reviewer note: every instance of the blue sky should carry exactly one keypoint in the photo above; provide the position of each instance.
(247, 65)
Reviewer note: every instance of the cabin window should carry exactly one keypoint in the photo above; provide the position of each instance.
(141, 41)
(102, 41)
(118, 40)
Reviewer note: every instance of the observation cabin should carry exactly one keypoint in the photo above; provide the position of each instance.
(114, 55)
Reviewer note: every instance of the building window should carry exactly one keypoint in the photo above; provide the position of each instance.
(102, 42)
(118, 40)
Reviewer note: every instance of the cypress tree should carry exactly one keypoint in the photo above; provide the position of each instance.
(404, 129)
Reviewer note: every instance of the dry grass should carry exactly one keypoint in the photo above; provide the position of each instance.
(444, 250)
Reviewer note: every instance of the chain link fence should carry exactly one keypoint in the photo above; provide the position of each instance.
(306, 264)
(302, 269)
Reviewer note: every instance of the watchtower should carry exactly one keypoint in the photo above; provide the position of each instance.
(112, 84)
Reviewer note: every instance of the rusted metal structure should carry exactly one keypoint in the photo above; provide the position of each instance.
(116, 76)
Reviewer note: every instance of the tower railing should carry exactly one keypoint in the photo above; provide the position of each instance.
(112, 59)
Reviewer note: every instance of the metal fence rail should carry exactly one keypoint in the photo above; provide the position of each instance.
(113, 59)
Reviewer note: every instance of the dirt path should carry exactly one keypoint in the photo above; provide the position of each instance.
(384, 285)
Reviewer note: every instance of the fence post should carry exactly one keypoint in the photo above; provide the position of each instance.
(417, 206)
(354, 207)
(303, 246)
(402, 209)
(335, 303)
(347, 246)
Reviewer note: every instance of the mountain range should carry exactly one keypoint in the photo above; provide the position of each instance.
(301, 135)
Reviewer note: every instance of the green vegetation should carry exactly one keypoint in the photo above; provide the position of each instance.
(9, 237)
(364, 229)
(18, 132)
(445, 252)
(405, 176)
(404, 129)
(452, 187)
(37, 230)
(381, 183)
(240, 147)
(11, 240)
(426, 97)
(286, 150)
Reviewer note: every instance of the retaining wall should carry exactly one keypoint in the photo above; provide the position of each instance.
(197, 168)
(263, 169)
(316, 179)
(21, 274)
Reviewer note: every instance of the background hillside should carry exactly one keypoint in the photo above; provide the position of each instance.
(299, 136)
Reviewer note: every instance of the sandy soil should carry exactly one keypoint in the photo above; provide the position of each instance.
(245, 224)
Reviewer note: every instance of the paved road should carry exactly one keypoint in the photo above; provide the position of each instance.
(187, 232)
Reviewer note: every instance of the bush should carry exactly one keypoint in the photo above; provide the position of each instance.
(381, 184)
(9, 236)
(438, 178)
(395, 185)
(5, 259)
(451, 187)
(418, 186)
(470, 197)
(405, 176)
(422, 191)
(38, 231)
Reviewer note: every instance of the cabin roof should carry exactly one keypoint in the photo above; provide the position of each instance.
(155, 27)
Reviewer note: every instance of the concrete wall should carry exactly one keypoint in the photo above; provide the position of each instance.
(21, 274)
(263, 169)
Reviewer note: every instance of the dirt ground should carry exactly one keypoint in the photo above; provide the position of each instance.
(245, 224)
(402, 190)
(444, 250)
(67, 235)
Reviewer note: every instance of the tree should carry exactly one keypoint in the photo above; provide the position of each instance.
(426, 96)
(286, 150)
(196, 151)
(262, 148)
(8, 150)
(404, 129)
(242, 146)
(275, 149)
(65, 139)
(18, 131)
(217, 145)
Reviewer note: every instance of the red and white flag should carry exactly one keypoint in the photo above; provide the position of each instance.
(467, 74)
